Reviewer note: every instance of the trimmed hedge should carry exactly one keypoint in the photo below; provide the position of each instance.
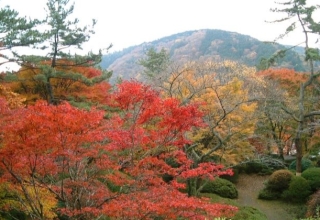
(268, 194)
(249, 213)
(279, 180)
(312, 175)
(298, 191)
(254, 167)
(221, 187)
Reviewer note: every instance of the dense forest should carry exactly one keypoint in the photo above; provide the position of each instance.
(168, 144)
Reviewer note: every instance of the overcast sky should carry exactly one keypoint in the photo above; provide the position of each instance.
(126, 23)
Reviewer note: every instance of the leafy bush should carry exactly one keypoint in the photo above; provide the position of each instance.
(268, 194)
(279, 180)
(249, 213)
(255, 167)
(305, 164)
(298, 191)
(313, 205)
(273, 162)
(221, 187)
(313, 177)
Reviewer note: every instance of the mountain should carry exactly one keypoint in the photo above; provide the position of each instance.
(200, 45)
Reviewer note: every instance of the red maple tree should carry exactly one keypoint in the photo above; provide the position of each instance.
(107, 163)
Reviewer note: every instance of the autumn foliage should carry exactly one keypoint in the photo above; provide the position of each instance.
(289, 79)
(13, 99)
(68, 81)
(63, 161)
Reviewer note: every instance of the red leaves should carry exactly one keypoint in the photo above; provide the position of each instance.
(166, 203)
(58, 147)
(149, 120)
(206, 170)
(77, 155)
(69, 129)
(131, 94)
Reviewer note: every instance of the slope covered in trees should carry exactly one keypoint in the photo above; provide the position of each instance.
(200, 45)
(74, 147)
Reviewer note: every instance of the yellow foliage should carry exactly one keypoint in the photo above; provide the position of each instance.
(14, 100)
(222, 89)
(35, 198)
(7, 200)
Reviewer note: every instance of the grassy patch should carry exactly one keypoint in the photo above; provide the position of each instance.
(218, 199)
(244, 213)
(249, 213)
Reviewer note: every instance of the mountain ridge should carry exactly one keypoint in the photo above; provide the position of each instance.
(200, 45)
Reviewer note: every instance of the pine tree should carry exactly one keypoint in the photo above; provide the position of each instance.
(15, 31)
(155, 62)
(61, 36)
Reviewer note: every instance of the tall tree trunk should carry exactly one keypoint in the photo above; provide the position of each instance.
(280, 149)
(298, 156)
(298, 142)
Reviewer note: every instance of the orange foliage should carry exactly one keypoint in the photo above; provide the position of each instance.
(71, 81)
(288, 79)
(13, 99)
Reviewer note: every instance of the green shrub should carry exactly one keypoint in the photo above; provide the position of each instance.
(313, 205)
(313, 176)
(268, 194)
(255, 167)
(279, 180)
(221, 187)
(274, 162)
(305, 164)
(249, 213)
(298, 191)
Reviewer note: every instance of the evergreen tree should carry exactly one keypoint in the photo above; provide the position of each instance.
(155, 62)
(61, 36)
(15, 31)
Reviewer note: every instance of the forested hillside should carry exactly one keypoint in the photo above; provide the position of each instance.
(174, 145)
(201, 45)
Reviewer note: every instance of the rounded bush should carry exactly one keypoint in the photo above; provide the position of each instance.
(313, 205)
(255, 167)
(298, 191)
(305, 164)
(268, 194)
(312, 175)
(249, 213)
(279, 180)
(221, 187)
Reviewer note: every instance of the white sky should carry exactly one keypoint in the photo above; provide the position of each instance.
(126, 23)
